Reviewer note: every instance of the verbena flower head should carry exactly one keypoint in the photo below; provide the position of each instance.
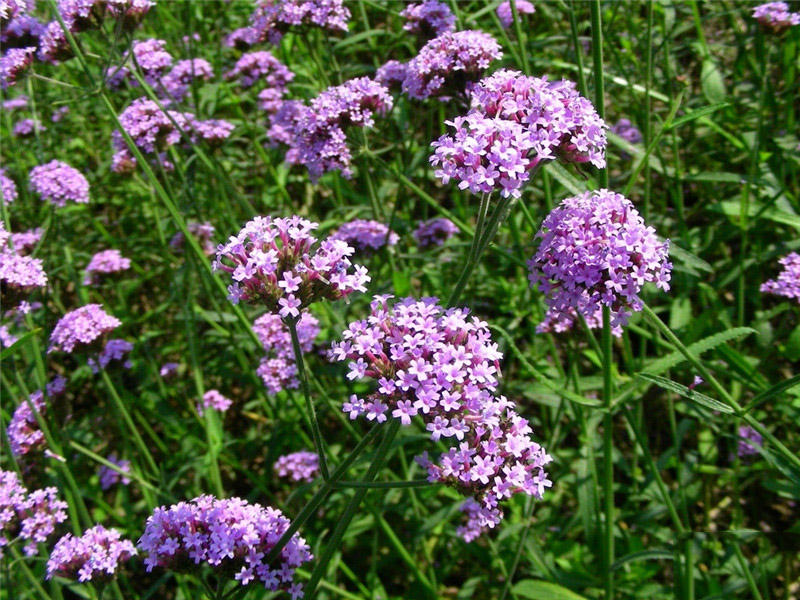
(788, 281)
(25, 240)
(24, 434)
(442, 366)
(23, 31)
(21, 273)
(31, 516)
(298, 466)
(242, 38)
(15, 103)
(749, 441)
(8, 188)
(95, 556)
(506, 14)
(448, 62)
(58, 183)
(53, 44)
(214, 400)
(255, 66)
(434, 232)
(81, 327)
(110, 477)
(27, 127)
(627, 131)
(366, 235)
(278, 370)
(278, 262)
(391, 74)
(231, 535)
(272, 18)
(776, 16)
(107, 261)
(113, 350)
(204, 232)
(168, 369)
(153, 59)
(14, 62)
(428, 19)
(594, 251)
(176, 83)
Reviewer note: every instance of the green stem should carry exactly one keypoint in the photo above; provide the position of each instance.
(608, 457)
(474, 251)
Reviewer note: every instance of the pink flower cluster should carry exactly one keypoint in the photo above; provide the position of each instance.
(278, 370)
(366, 236)
(214, 400)
(31, 516)
(434, 232)
(81, 327)
(20, 272)
(278, 263)
(113, 350)
(107, 261)
(506, 14)
(255, 66)
(428, 19)
(177, 82)
(788, 281)
(441, 365)
(110, 477)
(24, 434)
(298, 466)
(271, 19)
(230, 535)
(8, 188)
(595, 250)
(58, 183)
(95, 556)
(776, 16)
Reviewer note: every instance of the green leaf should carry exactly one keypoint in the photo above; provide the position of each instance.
(696, 114)
(688, 259)
(674, 358)
(402, 283)
(684, 391)
(712, 83)
(536, 589)
(779, 388)
(643, 555)
(733, 209)
(565, 178)
(12, 349)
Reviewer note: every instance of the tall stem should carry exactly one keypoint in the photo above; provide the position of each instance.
(474, 251)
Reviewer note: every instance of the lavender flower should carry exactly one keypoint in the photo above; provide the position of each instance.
(8, 188)
(31, 516)
(26, 240)
(213, 399)
(168, 369)
(24, 434)
(230, 535)
(447, 62)
(252, 67)
(272, 19)
(152, 58)
(788, 282)
(81, 327)
(434, 232)
(749, 442)
(776, 16)
(277, 369)
(7, 339)
(283, 125)
(59, 113)
(204, 232)
(627, 131)
(21, 273)
(596, 251)
(428, 19)
(366, 236)
(114, 350)
(441, 366)
(298, 466)
(110, 477)
(277, 262)
(27, 127)
(107, 261)
(391, 74)
(23, 31)
(176, 83)
(53, 44)
(95, 556)
(15, 103)
(242, 38)
(14, 62)
(506, 14)
(58, 183)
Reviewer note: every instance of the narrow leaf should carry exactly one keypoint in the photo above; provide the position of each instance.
(536, 589)
(684, 391)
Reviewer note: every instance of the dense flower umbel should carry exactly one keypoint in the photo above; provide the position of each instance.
(113, 350)
(391, 74)
(447, 63)
(441, 365)
(231, 535)
(25, 240)
(213, 399)
(95, 556)
(506, 14)
(22, 273)
(81, 327)
(278, 263)
(596, 251)
(8, 188)
(776, 15)
(788, 282)
(22, 31)
(255, 66)
(14, 62)
(272, 18)
(152, 58)
(428, 19)
(24, 434)
(277, 369)
(110, 477)
(107, 261)
(176, 83)
(58, 183)
(366, 235)
(434, 232)
(31, 516)
(749, 441)
(298, 466)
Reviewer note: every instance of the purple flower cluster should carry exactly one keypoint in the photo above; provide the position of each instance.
(434, 232)
(283, 125)
(168, 369)
(278, 263)
(776, 16)
(391, 74)
(14, 62)
(254, 66)
(278, 370)
(24, 434)
(22, 31)
(272, 19)
(627, 131)
(506, 14)
(110, 477)
(442, 366)
(366, 236)
(115, 349)
(242, 38)
(595, 250)
(318, 138)
(749, 441)
(95, 556)
(22, 273)
(58, 183)
(428, 19)
(298, 466)
(788, 281)
(26, 240)
(31, 516)
(446, 63)
(8, 188)
(81, 327)
(27, 127)
(177, 82)
(204, 232)
(152, 58)
(214, 400)
(107, 261)
(231, 535)
(15, 103)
